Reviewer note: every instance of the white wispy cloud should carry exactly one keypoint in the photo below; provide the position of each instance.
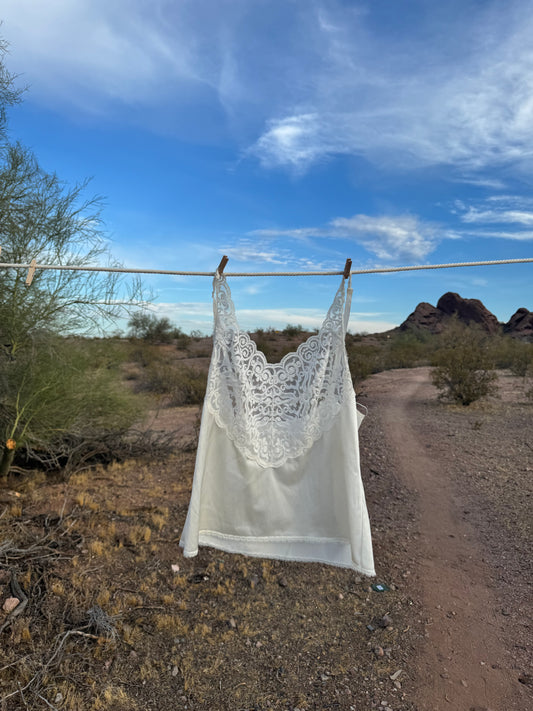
(404, 237)
(511, 216)
(512, 212)
(388, 237)
(253, 289)
(518, 236)
(245, 251)
(517, 202)
(491, 183)
(97, 55)
(298, 141)
(263, 249)
(454, 89)
(466, 101)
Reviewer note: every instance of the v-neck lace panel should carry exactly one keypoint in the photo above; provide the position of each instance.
(276, 411)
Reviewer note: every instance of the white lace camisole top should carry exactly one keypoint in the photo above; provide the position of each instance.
(277, 469)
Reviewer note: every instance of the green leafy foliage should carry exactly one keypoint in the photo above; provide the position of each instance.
(514, 355)
(148, 327)
(43, 219)
(385, 352)
(407, 349)
(61, 390)
(464, 364)
(160, 372)
(363, 360)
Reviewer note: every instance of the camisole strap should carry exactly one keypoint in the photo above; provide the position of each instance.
(223, 307)
(347, 304)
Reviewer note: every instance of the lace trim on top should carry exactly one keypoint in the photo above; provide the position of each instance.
(276, 411)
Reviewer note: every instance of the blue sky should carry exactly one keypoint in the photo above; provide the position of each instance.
(292, 134)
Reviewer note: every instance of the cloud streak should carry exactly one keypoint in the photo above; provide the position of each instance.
(387, 237)
(511, 211)
(521, 236)
(503, 216)
(262, 249)
(466, 102)
(99, 56)
(450, 89)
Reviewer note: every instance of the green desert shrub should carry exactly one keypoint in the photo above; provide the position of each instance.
(181, 384)
(514, 355)
(463, 366)
(182, 340)
(291, 331)
(407, 349)
(61, 391)
(363, 360)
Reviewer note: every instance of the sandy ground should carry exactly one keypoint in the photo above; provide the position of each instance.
(477, 622)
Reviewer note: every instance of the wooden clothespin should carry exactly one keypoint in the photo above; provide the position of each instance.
(31, 272)
(347, 268)
(222, 265)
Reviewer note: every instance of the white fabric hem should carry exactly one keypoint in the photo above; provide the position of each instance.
(329, 551)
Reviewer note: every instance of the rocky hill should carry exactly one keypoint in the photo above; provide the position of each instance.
(433, 318)
(520, 325)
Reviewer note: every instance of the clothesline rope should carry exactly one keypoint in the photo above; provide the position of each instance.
(168, 272)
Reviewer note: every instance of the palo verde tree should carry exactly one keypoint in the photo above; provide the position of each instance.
(9, 93)
(42, 218)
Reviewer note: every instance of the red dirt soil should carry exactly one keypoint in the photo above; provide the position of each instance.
(465, 661)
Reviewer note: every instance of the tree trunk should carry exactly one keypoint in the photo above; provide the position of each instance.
(6, 462)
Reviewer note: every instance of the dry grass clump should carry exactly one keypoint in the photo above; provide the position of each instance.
(114, 697)
(86, 611)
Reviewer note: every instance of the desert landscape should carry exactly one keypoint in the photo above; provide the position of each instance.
(373, 154)
(111, 616)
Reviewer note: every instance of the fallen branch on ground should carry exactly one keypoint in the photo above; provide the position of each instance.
(17, 592)
(34, 683)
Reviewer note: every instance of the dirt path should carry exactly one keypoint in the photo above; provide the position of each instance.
(464, 665)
